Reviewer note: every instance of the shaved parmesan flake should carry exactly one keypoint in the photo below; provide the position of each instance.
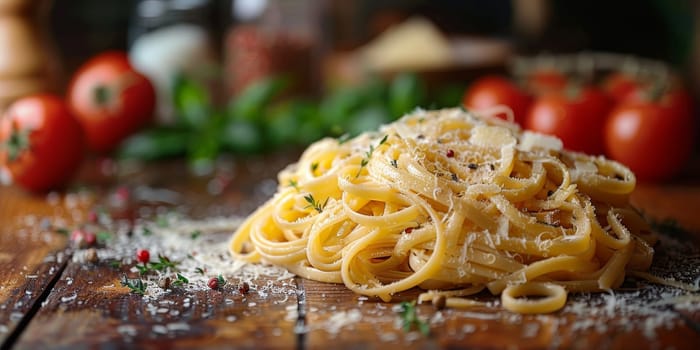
(492, 136)
(530, 141)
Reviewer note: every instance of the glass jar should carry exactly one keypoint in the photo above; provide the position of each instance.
(274, 38)
(171, 38)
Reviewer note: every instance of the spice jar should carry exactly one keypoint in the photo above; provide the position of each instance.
(274, 37)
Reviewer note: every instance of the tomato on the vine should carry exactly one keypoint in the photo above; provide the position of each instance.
(493, 91)
(621, 86)
(576, 117)
(654, 139)
(41, 144)
(545, 81)
(110, 99)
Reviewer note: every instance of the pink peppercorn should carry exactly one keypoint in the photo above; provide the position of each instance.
(143, 255)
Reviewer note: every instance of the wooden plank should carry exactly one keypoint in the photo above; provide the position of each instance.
(336, 316)
(89, 306)
(31, 254)
(670, 202)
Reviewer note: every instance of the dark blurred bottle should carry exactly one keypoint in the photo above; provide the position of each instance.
(271, 38)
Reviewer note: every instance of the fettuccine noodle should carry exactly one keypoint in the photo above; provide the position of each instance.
(452, 203)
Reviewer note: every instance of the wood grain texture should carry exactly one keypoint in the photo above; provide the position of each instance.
(88, 308)
(31, 255)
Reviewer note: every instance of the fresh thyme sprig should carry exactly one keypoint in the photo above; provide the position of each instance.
(315, 204)
(181, 280)
(368, 155)
(135, 285)
(294, 184)
(163, 263)
(410, 319)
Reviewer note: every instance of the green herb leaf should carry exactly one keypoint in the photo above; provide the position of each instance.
(221, 280)
(195, 234)
(410, 319)
(368, 155)
(103, 236)
(181, 280)
(242, 136)
(135, 285)
(191, 101)
(406, 92)
(251, 102)
(143, 269)
(314, 204)
(199, 270)
(162, 221)
(163, 264)
(158, 143)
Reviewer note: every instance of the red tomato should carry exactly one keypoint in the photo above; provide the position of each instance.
(110, 99)
(41, 144)
(676, 98)
(493, 91)
(546, 81)
(577, 120)
(621, 86)
(653, 139)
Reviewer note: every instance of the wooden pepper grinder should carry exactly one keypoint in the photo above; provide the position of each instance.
(27, 63)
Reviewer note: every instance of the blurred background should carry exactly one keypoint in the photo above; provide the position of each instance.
(333, 67)
(659, 29)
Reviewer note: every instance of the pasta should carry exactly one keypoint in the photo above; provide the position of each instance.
(452, 203)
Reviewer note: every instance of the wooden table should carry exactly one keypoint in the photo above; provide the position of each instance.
(50, 299)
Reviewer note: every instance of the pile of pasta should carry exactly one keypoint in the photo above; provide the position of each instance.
(453, 203)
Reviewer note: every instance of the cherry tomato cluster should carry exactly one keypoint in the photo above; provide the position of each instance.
(644, 123)
(43, 136)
